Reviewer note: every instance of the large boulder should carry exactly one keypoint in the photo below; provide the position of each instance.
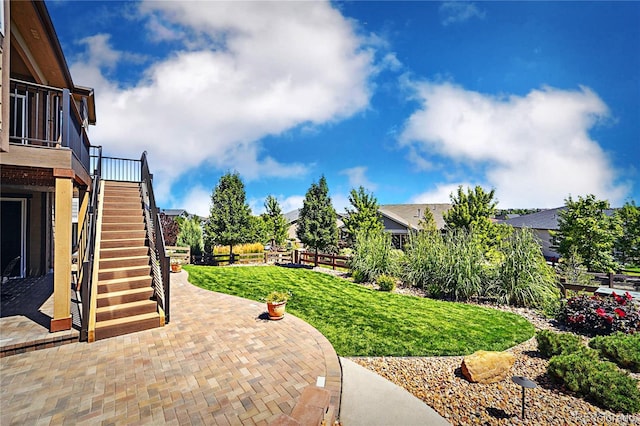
(487, 367)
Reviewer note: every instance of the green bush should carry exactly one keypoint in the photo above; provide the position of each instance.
(373, 255)
(582, 372)
(551, 343)
(386, 283)
(621, 348)
(358, 277)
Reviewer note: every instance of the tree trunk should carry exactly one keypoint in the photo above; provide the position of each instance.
(316, 258)
(230, 254)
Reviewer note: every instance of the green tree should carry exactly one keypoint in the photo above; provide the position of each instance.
(276, 224)
(585, 226)
(258, 230)
(229, 217)
(317, 222)
(191, 235)
(476, 205)
(364, 217)
(428, 222)
(627, 246)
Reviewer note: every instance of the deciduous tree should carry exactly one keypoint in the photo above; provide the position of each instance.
(276, 224)
(587, 226)
(628, 244)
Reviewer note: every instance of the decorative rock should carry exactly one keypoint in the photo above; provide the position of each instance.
(487, 367)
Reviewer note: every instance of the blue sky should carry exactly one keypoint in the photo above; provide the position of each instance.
(539, 100)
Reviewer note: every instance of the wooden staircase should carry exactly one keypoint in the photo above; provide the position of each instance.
(124, 293)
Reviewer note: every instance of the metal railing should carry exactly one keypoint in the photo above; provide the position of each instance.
(86, 243)
(122, 169)
(159, 260)
(48, 117)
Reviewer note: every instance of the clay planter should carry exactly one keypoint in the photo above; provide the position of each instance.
(176, 267)
(276, 310)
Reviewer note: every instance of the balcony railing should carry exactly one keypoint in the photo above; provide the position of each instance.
(49, 117)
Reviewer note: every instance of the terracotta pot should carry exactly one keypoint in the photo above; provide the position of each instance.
(276, 310)
(176, 268)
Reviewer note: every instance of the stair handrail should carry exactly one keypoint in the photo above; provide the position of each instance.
(86, 243)
(159, 258)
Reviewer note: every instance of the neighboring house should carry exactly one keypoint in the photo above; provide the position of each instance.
(49, 172)
(398, 219)
(173, 213)
(541, 223)
(401, 219)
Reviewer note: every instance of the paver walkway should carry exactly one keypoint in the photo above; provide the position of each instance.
(217, 362)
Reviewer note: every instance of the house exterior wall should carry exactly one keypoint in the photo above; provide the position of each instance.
(545, 243)
(4, 81)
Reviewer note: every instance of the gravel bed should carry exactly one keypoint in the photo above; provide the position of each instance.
(439, 383)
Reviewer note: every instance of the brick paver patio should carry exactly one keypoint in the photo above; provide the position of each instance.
(217, 362)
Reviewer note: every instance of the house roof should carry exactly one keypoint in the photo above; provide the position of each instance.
(545, 219)
(174, 212)
(409, 215)
(292, 216)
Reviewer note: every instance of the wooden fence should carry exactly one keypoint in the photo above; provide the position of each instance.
(243, 259)
(335, 261)
(180, 254)
(612, 281)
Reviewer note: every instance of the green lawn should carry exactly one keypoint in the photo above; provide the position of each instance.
(363, 322)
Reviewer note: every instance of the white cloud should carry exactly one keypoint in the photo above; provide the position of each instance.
(197, 201)
(536, 149)
(440, 194)
(266, 67)
(453, 12)
(357, 177)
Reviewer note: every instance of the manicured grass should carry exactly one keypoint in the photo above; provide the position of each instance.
(363, 322)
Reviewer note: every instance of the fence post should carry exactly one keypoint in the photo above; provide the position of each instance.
(610, 279)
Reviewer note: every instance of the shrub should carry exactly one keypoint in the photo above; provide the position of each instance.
(600, 381)
(623, 349)
(601, 315)
(551, 343)
(523, 276)
(373, 255)
(386, 282)
(240, 249)
(358, 277)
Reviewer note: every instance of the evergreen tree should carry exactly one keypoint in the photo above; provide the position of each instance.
(229, 214)
(475, 205)
(258, 230)
(428, 222)
(191, 235)
(276, 224)
(364, 217)
(317, 222)
(628, 244)
(585, 227)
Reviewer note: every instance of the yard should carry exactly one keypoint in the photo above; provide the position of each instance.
(363, 322)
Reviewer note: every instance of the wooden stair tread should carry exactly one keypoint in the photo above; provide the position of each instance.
(126, 320)
(123, 279)
(125, 292)
(123, 268)
(124, 305)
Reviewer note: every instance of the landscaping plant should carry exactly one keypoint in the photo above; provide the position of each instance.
(593, 315)
(597, 380)
(551, 343)
(386, 282)
(623, 349)
(523, 276)
(373, 256)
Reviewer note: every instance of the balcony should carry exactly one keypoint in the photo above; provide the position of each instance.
(49, 118)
